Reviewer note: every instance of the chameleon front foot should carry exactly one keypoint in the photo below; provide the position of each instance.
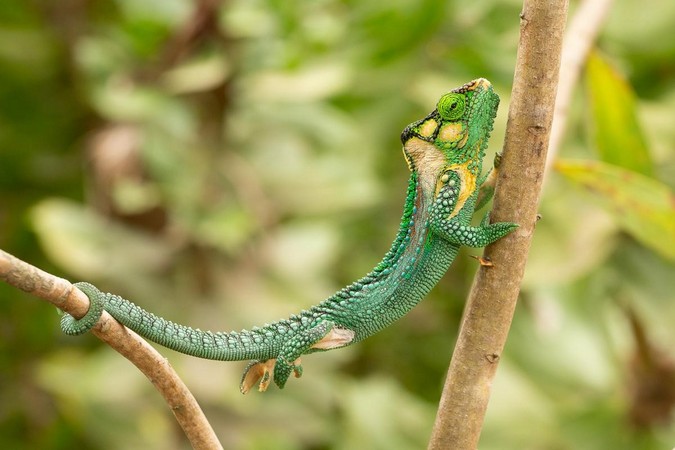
(471, 236)
(261, 373)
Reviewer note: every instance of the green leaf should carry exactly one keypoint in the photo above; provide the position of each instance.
(615, 127)
(643, 207)
(89, 246)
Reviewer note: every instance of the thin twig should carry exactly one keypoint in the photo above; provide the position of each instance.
(66, 297)
(492, 301)
(579, 38)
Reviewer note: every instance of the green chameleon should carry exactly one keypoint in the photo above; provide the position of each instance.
(444, 152)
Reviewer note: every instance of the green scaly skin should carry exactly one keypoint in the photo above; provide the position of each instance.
(444, 151)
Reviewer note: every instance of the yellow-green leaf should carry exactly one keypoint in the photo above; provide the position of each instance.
(642, 206)
(615, 128)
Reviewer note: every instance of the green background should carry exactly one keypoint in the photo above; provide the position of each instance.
(228, 166)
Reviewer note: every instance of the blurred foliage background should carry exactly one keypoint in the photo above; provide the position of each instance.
(226, 164)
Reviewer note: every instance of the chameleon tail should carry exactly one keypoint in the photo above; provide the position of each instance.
(257, 344)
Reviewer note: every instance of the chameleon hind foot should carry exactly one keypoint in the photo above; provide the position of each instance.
(324, 336)
(261, 373)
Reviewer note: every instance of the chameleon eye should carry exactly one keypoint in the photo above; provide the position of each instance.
(451, 106)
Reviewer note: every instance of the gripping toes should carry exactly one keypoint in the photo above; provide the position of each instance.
(284, 368)
(496, 231)
(295, 347)
(473, 236)
(260, 372)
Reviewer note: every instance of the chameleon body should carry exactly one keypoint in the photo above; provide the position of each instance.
(444, 152)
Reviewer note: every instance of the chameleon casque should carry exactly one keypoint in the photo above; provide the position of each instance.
(444, 152)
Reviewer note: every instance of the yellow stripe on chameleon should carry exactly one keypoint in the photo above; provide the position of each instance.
(467, 183)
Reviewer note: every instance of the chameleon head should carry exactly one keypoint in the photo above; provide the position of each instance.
(454, 134)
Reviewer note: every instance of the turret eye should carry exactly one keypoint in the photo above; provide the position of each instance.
(451, 106)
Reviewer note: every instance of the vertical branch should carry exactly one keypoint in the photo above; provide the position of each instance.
(492, 300)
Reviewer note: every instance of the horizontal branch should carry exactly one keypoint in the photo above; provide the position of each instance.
(66, 297)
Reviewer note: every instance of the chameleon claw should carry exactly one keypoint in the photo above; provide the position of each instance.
(497, 161)
(297, 368)
(483, 261)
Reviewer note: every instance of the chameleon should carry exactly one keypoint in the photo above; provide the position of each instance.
(444, 152)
